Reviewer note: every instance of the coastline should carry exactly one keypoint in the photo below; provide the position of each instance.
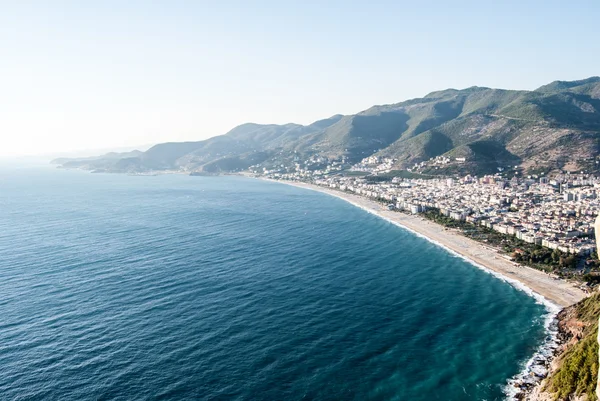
(554, 294)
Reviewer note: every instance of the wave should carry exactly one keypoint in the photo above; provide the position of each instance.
(535, 368)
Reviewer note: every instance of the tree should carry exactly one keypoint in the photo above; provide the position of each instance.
(556, 255)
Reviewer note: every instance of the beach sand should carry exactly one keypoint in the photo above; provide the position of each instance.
(558, 291)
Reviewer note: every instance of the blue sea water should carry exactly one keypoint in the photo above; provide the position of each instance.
(226, 288)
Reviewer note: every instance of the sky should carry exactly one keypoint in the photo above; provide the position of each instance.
(81, 75)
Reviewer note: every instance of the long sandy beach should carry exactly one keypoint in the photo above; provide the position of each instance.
(557, 291)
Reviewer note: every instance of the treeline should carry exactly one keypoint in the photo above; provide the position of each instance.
(532, 255)
(545, 256)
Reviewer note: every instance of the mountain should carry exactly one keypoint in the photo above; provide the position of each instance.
(94, 162)
(556, 126)
(559, 86)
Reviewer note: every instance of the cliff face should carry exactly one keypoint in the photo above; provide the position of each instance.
(574, 372)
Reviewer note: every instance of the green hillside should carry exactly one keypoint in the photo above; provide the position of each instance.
(577, 370)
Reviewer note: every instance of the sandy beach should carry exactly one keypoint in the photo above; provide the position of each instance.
(557, 291)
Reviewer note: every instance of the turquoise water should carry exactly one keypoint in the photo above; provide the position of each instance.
(226, 288)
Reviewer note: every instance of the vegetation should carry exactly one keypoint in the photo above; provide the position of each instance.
(532, 255)
(553, 126)
(399, 174)
(588, 310)
(544, 256)
(578, 366)
(349, 173)
(579, 370)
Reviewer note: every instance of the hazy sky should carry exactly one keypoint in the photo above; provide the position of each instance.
(99, 74)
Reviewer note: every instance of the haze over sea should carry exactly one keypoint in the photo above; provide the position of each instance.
(175, 287)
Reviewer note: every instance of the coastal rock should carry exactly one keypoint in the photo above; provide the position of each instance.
(573, 328)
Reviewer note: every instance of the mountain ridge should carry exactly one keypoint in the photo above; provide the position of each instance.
(554, 127)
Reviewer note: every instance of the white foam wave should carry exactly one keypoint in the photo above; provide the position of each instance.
(536, 367)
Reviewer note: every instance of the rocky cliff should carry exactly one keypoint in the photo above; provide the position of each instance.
(574, 371)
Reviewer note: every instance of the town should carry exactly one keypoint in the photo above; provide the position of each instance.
(556, 213)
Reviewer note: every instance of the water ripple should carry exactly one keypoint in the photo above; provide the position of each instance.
(173, 287)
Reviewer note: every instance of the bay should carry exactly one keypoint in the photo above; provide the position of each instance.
(176, 287)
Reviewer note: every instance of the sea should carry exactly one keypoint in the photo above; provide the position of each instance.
(171, 287)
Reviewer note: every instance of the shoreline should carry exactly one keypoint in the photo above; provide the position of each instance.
(554, 294)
